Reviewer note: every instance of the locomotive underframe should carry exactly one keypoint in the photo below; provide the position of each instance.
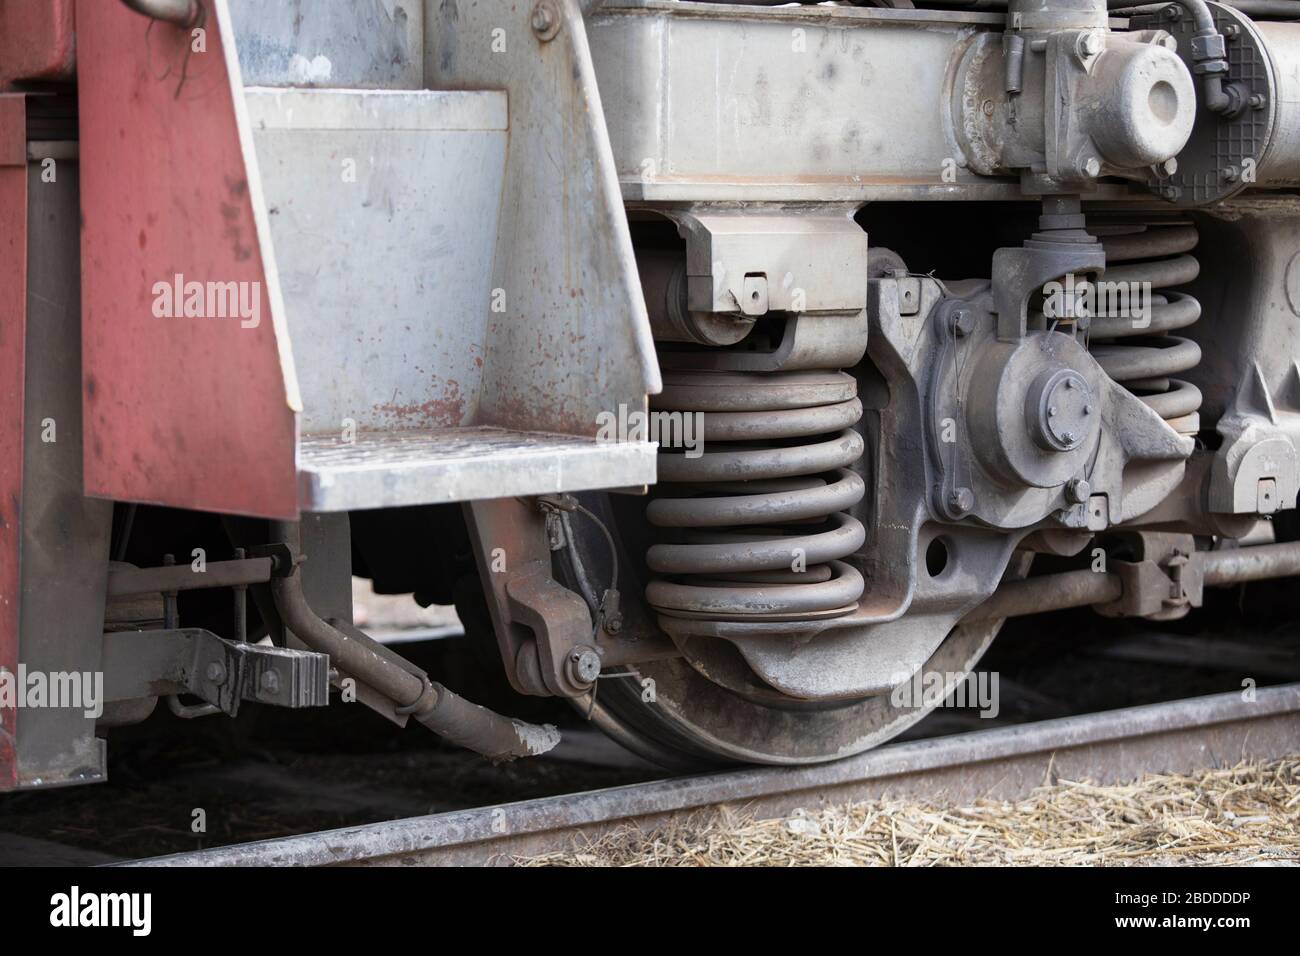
(556, 141)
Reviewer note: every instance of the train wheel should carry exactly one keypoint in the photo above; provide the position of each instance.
(693, 723)
(685, 720)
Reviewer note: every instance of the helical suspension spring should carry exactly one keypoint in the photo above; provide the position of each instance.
(1135, 348)
(756, 523)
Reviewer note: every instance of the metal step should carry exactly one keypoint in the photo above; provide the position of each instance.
(386, 469)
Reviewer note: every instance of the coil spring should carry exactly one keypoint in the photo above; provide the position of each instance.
(771, 486)
(1141, 355)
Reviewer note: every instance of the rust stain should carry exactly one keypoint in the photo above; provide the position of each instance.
(445, 409)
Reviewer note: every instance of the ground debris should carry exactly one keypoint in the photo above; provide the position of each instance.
(1247, 814)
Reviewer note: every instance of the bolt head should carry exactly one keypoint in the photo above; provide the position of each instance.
(270, 682)
(1169, 167)
(962, 322)
(586, 665)
(215, 672)
(545, 20)
(961, 500)
(1091, 167)
(1091, 43)
(1077, 490)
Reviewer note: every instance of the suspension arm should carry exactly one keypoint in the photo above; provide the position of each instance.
(1057, 592)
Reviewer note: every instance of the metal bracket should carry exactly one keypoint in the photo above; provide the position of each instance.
(1164, 584)
(220, 672)
(538, 622)
(561, 622)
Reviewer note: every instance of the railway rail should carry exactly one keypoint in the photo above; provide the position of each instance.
(1004, 763)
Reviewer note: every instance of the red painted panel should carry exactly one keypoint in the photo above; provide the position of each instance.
(184, 410)
(13, 338)
(36, 40)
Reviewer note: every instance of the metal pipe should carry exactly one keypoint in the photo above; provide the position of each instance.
(1057, 592)
(450, 716)
(181, 577)
(1260, 563)
(1051, 592)
(183, 13)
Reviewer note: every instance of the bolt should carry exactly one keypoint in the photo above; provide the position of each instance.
(1231, 31)
(545, 21)
(961, 501)
(1069, 383)
(1257, 101)
(1173, 12)
(270, 682)
(584, 665)
(1229, 174)
(1090, 43)
(1170, 193)
(215, 672)
(1051, 411)
(1068, 438)
(1168, 167)
(1090, 167)
(1077, 490)
(962, 322)
(1087, 409)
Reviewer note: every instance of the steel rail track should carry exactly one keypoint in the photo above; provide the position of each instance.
(1003, 763)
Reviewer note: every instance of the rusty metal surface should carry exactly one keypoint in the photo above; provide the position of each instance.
(1112, 746)
(573, 340)
(36, 40)
(13, 331)
(193, 412)
(384, 208)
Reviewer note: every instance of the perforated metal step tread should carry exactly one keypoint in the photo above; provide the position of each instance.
(430, 466)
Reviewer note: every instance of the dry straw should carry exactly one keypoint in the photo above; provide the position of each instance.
(1239, 815)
